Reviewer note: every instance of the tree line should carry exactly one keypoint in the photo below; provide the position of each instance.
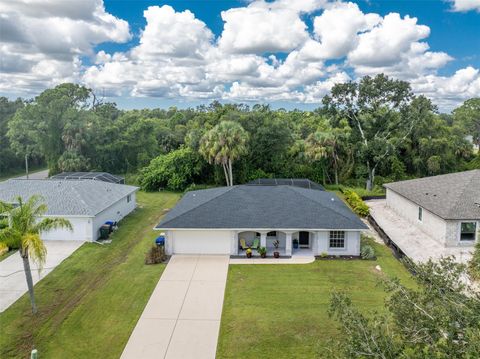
(363, 133)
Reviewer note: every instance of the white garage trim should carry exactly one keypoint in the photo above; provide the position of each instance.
(199, 242)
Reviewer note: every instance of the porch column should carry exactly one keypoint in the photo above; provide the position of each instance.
(288, 243)
(234, 243)
(263, 239)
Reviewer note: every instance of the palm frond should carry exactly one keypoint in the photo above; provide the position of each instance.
(11, 237)
(35, 247)
(47, 224)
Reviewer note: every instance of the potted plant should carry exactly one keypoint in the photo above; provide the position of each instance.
(263, 252)
(276, 253)
(249, 252)
(295, 243)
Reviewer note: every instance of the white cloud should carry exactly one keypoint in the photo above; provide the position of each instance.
(386, 42)
(266, 51)
(337, 29)
(264, 27)
(465, 5)
(42, 41)
(449, 91)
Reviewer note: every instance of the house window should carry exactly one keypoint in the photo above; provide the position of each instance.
(272, 234)
(129, 198)
(467, 231)
(420, 214)
(337, 239)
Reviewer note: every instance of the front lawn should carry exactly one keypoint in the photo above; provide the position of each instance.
(89, 305)
(280, 311)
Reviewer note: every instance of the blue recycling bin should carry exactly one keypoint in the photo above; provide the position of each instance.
(160, 240)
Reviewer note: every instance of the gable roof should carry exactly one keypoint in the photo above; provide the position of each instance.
(261, 207)
(450, 196)
(70, 197)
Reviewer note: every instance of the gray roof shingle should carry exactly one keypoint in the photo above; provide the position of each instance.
(451, 196)
(261, 207)
(70, 197)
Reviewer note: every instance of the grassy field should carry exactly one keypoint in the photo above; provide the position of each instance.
(89, 305)
(280, 311)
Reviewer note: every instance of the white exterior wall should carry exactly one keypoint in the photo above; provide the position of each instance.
(183, 241)
(115, 213)
(199, 242)
(82, 230)
(431, 224)
(322, 245)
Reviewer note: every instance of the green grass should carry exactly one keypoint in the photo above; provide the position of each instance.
(89, 305)
(280, 311)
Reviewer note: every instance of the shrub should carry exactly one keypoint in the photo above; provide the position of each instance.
(324, 255)
(173, 171)
(156, 254)
(3, 223)
(474, 264)
(356, 203)
(367, 252)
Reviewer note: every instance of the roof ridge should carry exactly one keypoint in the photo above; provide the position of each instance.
(85, 205)
(318, 203)
(465, 187)
(228, 189)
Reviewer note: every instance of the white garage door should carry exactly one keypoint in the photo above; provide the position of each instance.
(201, 242)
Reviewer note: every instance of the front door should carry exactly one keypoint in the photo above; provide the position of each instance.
(304, 240)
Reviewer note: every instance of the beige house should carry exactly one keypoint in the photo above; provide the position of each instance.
(445, 207)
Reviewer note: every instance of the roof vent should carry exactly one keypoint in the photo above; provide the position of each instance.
(477, 204)
(332, 199)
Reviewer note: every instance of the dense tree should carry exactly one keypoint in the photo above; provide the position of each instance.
(23, 232)
(373, 130)
(8, 158)
(224, 144)
(439, 318)
(468, 116)
(378, 110)
(174, 170)
(53, 123)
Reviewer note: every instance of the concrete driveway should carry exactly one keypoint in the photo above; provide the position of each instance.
(12, 277)
(182, 317)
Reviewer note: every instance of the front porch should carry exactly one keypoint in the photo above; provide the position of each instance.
(287, 244)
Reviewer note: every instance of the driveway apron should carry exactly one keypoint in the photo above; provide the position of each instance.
(182, 317)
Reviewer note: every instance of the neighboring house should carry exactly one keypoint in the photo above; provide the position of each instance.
(86, 204)
(214, 221)
(445, 207)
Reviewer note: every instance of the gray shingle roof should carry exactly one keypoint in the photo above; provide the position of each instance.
(450, 196)
(80, 198)
(261, 207)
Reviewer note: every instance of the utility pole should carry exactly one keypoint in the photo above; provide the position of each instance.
(26, 164)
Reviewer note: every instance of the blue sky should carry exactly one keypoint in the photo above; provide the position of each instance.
(285, 52)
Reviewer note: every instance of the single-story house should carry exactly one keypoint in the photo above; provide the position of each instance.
(445, 207)
(86, 204)
(218, 220)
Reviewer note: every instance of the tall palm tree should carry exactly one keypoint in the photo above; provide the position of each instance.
(321, 145)
(224, 144)
(23, 232)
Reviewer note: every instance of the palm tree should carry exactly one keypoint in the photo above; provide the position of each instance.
(224, 144)
(321, 145)
(23, 232)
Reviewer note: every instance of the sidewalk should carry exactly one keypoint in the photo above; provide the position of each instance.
(182, 317)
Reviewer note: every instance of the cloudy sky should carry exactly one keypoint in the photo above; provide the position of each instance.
(285, 52)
